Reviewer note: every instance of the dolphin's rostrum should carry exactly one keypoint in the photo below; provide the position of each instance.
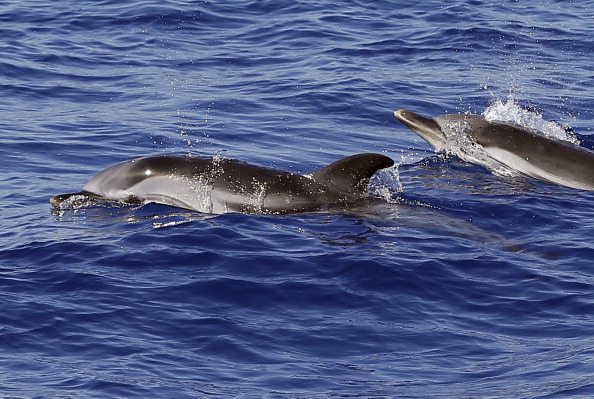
(218, 185)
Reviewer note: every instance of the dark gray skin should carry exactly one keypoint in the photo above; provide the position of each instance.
(213, 185)
(525, 151)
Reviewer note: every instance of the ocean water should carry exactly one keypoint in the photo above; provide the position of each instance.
(463, 283)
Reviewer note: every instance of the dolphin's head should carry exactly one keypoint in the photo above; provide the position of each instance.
(427, 128)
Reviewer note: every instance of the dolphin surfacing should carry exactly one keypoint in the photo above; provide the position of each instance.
(218, 185)
(528, 152)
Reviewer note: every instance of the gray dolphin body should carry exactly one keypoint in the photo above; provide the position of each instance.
(527, 152)
(218, 185)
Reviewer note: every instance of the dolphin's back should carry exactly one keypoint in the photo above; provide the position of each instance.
(535, 155)
(351, 173)
(340, 182)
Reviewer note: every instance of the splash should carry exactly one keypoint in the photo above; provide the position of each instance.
(197, 192)
(385, 183)
(460, 142)
(509, 111)
(76, 204)
(254, 196)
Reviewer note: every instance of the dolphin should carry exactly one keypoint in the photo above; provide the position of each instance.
(217, 185)
(525, 151)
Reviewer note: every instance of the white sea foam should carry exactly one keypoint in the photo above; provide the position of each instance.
(509, 111)
(385, 183)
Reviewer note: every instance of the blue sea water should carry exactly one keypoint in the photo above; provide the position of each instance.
(465, 284)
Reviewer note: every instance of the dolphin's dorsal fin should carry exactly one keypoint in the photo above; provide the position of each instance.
(351, 172)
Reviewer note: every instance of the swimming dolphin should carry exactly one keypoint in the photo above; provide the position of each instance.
(525, 151)
(217, 185)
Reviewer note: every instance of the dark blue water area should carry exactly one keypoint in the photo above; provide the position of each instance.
(465, 284)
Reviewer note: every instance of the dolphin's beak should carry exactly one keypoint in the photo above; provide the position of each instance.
(427, 128)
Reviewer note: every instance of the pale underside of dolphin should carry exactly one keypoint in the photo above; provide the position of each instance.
(525, 151)
(218, 185)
